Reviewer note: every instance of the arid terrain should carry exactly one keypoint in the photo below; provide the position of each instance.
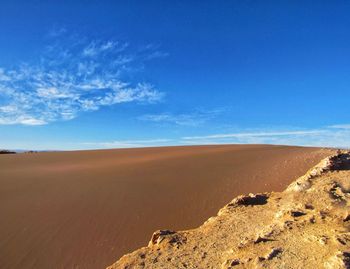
(305, 226)
(85, 209)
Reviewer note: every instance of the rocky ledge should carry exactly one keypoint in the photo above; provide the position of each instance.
(305, 226)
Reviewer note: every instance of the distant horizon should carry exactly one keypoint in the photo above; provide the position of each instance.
(111, 74)
(166, 146)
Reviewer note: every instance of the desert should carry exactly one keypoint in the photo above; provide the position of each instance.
(305, 226)
(86, 209)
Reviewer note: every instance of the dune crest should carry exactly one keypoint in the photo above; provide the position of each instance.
(305, 226)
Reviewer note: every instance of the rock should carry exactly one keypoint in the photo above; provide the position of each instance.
(250, 200)
(347, 217)
(341, 260)
(158, 236)
(273, 253)
(230, 263)
(297, 213)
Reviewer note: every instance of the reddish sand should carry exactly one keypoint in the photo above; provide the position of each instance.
(85, 209)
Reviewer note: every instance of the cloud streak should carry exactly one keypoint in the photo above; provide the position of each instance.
(322, 137)
(71, 78)
(192, 119)
(341, 126)
(129, 143)
(256, 134)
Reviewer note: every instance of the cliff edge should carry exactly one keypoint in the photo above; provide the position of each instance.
(305, 226)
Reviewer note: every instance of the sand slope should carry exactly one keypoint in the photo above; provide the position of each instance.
(306, 226)
(86, 209)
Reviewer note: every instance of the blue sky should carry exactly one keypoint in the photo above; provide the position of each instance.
(107, 74)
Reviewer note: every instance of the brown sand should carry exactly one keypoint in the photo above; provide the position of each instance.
(306, 226)
(85, 209)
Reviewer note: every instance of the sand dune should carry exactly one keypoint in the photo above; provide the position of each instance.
(86, 209)
(306, 226)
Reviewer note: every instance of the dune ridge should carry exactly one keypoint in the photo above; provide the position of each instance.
(305, 226)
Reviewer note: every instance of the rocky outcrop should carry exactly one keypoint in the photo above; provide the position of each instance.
(306, 226)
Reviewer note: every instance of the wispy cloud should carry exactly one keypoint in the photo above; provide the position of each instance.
(340, 126)
(70, 78)
(57, 31)
(194, 118)
(323, 137)
(95, 48)
(256, 134)
(152, 51)
(129, 143)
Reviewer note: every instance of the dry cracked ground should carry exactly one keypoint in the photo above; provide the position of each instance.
(305, 226)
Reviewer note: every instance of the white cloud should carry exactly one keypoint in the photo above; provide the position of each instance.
(340, 126)
(194, 118)
(69, 79)
(322, 137)
(95, 48)
(3, 76)
(55, 32)
(256, 134)
(128, 143)
(32, 121)
(152, 51)
(156, 54)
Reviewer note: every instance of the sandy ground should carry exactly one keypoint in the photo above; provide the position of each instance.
(85, 209)
(306, 226)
